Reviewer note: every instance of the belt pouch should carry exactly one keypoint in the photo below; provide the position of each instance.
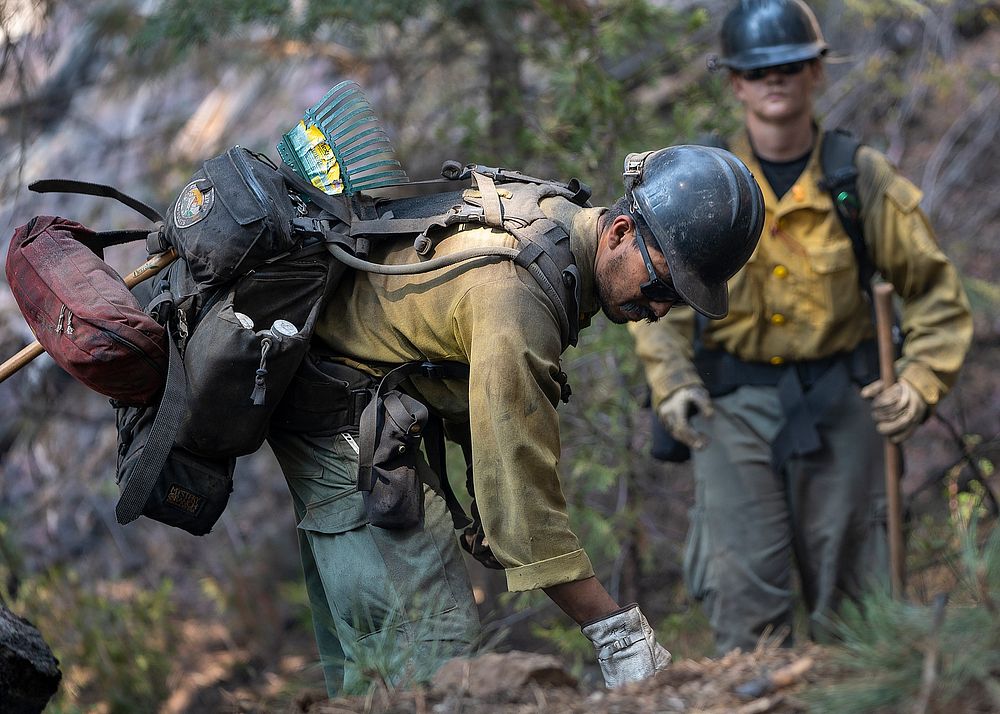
(324, 398)
(391, 488)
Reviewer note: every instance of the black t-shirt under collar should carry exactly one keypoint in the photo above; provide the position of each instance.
(782, 175)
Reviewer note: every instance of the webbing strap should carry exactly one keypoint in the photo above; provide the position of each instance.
(336, 206)
(161, 438)
(840, 178)
(94, 189)
(106, 239)
(492, 209)
(723, 372)
(528, 254)
(119, 237)
(537, 253)
(387, 225)
(438, 461)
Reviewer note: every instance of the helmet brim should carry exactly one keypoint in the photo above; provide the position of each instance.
(710, 299)
(773, 56)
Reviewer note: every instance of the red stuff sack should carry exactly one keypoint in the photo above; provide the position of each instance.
(82, 312)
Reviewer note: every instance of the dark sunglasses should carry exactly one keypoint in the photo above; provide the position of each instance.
(758, 73)
(656, 289)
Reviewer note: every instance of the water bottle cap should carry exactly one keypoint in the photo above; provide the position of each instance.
(284, 328)
(245, 320)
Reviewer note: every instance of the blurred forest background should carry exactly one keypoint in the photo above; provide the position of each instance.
(136, 93)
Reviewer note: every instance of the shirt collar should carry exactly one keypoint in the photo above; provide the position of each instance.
(583, 237)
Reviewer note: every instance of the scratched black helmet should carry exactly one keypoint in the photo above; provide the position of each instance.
(705, 211)
(766, 33)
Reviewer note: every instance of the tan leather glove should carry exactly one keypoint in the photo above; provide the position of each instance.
(676, 410)
(897, 410)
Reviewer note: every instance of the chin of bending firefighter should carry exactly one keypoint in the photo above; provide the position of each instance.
(472, 351)
(779, 401)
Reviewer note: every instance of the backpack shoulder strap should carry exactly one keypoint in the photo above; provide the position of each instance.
(543, 245)
(105, 239)
(162, 434)
(840, 179)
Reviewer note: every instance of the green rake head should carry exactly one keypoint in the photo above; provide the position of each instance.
(340, 145)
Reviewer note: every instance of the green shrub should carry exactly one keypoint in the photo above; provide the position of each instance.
(114, 641)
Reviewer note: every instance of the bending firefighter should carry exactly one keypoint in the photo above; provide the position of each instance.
(779, 400)
(481, 343)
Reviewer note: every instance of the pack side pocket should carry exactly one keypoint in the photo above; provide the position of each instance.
(287, 289)
(396, 497)
(236, 377)
(190, 492)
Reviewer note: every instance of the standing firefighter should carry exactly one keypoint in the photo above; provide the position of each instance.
(486, 339)
(787, 453)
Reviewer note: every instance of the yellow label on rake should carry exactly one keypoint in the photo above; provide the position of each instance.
(319, 161)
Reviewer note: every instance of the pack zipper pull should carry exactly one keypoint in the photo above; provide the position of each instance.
(260, 387)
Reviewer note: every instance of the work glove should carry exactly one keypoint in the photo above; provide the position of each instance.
(678, 408)
(627, 649)
(473, 540)
(897, 410)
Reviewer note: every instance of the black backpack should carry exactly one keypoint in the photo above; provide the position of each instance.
(239, 307)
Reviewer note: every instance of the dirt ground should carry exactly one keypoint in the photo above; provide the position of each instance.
(766, 680)
(519, 683)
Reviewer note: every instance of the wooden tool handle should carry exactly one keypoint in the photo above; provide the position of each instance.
(893, 459)
(883, 328)
(151, 267)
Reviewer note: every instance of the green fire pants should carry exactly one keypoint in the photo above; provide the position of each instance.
(823, 515)
(396, 598)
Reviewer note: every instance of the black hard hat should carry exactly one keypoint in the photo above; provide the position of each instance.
(705, 211)
(765, 33)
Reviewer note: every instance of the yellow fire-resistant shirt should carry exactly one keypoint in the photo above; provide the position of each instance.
(495, 318)
(798, 297)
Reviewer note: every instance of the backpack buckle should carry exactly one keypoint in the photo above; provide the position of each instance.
(311, 226)
(156, 240)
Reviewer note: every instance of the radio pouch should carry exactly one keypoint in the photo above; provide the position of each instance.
(392, 428)
(393, 494)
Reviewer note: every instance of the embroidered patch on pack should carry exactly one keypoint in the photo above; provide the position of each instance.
(193, 204)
